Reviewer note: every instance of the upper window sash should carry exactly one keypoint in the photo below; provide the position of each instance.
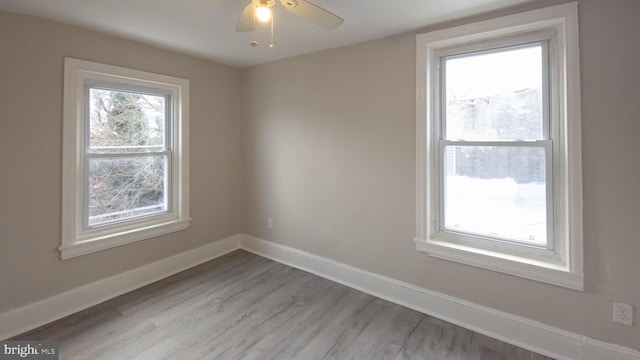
(543, 39)
(167, 145)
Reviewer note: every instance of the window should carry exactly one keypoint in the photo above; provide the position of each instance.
(498, 145)
(125, 175)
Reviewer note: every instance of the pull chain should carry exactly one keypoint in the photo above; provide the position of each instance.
(254, 42)
(273, 15)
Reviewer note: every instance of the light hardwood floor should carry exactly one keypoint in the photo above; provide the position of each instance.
(242, 306)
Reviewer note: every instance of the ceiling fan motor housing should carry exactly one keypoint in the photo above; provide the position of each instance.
(267, 3)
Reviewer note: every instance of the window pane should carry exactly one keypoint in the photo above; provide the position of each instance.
(124, 188)
(122, 121)
(495, 95)
(497, 192)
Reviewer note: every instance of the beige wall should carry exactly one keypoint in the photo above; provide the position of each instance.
(31, 81)
(329, 154)
(327, 149)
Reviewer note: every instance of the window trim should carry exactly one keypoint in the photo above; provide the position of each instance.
(565, 268)
(78, 240)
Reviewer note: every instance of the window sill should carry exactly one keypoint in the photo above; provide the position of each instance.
(98, 243)
(547, 272)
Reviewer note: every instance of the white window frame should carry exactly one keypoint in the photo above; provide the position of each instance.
(78, 238)
(562, 264)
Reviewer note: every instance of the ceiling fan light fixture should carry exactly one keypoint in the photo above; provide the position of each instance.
(263, 13)
(260, 11)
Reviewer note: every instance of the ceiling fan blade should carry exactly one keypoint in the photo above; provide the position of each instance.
(246, 21)
(313, 13)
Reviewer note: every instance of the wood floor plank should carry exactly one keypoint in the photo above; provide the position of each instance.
(317, 333)
(265, 339)
(242, 306)
(265, 317)
(378, 332)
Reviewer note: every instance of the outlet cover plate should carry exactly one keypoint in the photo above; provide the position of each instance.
(623, 314)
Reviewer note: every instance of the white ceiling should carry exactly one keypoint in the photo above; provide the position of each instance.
(206, 28)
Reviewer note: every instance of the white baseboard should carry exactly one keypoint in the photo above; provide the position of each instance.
(31, 316)
(519, 331)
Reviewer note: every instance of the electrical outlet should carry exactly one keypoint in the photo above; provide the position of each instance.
(623, 314)
(270, 223)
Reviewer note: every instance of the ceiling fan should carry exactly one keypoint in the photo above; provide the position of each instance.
(260, 9)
